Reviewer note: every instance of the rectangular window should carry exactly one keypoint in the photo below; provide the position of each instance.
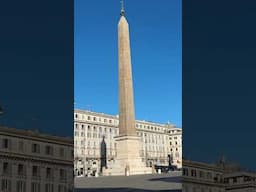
(21, 186)
(193, 173)
(35, 148)
(35, 187)
(5, 143)
(21, 170)
(6, 185)
(35, 171)
(49, 150)
(6, 168)
(49, 187)
(49, 173)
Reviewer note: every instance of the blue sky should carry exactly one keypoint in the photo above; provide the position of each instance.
(155, 35)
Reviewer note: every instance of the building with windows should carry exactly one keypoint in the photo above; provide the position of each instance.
(34, 162)
(219, 177)
(203, 177)
(240, 181)
(95, 146)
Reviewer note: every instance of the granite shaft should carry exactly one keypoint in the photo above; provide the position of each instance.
(126, 102)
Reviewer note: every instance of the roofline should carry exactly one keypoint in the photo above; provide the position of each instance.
(202, 165)
(30, 133)
(172, 126)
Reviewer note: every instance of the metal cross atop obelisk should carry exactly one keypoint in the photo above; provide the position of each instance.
(122, 8)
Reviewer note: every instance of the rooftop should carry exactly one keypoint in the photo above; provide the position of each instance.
(169, 125)
(34, 133)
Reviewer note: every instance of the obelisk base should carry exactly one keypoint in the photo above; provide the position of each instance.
(128, 160)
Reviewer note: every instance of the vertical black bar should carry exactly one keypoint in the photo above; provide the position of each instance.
(219, 47)
(36, 76)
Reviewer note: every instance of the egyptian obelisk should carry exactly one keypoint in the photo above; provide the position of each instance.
(126, 104)
(128, 160)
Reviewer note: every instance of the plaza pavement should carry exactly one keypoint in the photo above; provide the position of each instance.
(137, 183)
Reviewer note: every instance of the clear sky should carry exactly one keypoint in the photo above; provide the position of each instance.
(155, 35)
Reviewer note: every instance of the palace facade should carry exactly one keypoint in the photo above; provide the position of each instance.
(93, 130)
(34, 162)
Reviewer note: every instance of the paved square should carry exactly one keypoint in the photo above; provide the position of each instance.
(137, 183)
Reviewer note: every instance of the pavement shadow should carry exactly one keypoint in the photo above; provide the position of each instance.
(123, 190)
(168, 179)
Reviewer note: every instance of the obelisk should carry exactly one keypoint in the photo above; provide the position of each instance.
(126, 104)
(128, 160)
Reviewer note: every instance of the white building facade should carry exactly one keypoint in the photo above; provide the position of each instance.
(158, 141)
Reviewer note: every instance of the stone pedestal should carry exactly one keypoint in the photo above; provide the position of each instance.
(128, 160)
